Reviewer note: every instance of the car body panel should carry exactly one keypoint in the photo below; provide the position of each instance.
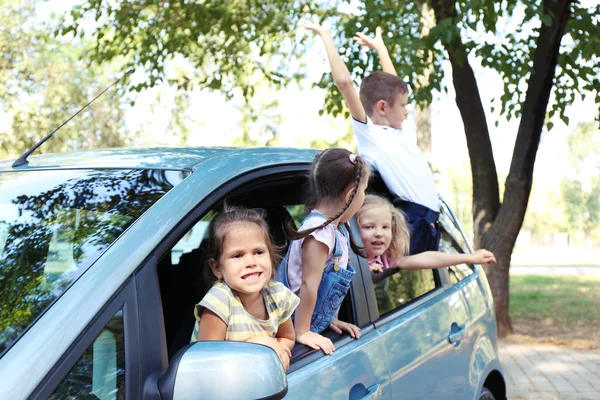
(422, 361)
(347, 374)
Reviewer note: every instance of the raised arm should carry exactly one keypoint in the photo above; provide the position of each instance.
(377, 44)
(437, 259)
(339, 71)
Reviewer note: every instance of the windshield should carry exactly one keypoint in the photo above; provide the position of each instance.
(55, 224)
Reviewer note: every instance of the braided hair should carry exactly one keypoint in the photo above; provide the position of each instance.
(333, 170)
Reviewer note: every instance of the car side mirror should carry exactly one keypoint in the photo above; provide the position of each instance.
(224, 370)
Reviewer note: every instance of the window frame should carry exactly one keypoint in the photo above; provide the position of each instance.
(154, 351)
(125, 300)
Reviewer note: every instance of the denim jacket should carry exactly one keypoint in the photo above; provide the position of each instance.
(334, 285)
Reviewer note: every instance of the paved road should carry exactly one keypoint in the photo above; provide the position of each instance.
(550, 372)
(562, 270)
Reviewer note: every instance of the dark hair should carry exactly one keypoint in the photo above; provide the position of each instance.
(333, 170)
(231, 215)
(380, 86)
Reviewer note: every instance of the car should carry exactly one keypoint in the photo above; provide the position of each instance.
(101, 264)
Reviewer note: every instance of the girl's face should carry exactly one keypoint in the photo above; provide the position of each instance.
(376, 230)
(245, 262)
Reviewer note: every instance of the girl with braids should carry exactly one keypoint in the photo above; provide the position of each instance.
(316, 265)
(386, 237)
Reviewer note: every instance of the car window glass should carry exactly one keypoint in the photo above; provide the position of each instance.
(100, 372)
(448, 226)
(54, 224)
(192, 239)
(401, 288)
(449, 245)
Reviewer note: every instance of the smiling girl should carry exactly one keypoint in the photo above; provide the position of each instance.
(245, 304)
(386, 237)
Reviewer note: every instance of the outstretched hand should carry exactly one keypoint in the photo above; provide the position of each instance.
(377, 268)
(482, 256)
(375, 43)
(314, 26)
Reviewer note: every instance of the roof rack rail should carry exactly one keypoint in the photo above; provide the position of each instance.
(22, 160)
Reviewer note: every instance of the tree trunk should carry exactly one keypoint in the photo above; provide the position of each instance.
(496, 226)
(424, 113)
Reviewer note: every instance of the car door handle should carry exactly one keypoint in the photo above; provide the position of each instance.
(373, 393)
(457, 334)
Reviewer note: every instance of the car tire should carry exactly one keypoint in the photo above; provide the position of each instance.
(486, 394)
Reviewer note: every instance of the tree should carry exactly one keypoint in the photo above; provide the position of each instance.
(534, 63)
(43, 83)
(551, 50)
(581, 191)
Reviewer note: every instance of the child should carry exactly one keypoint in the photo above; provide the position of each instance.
(245, 304)
(316, 264)
(377, 117)
(386, 236)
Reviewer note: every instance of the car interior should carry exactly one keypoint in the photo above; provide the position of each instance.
(184, 284)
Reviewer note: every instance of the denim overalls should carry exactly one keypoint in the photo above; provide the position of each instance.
(334, 285)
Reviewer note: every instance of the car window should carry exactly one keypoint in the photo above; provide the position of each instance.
(449, 227)
(100, 372)
(55, 224)
(449, 245)
(192, 240)
(401, 288)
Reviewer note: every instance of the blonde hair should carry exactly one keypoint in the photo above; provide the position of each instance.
(400, 243)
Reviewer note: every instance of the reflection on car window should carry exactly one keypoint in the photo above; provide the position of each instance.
(448, 226)
(54, 224)
(449, 245)
(403, 287)
(100, 372)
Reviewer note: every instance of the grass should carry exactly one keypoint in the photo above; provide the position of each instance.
(559, 309)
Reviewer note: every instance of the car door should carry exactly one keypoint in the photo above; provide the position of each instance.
(463, 278)
(422, 322)
(356, 370)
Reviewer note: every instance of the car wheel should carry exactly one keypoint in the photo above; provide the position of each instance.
(486, 394)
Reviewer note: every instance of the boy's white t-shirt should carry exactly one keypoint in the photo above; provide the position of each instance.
(399, 160)
(326, 236)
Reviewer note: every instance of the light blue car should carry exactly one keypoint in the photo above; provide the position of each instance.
(101, 263)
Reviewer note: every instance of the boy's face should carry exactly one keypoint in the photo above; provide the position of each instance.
(396, 114)
(392, 115)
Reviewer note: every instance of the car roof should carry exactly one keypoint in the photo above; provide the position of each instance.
(176, 158)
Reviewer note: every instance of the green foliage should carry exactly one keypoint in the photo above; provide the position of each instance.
(508, 51)
(43, 82)
(232, 46)
(227, 44)
(260, 123)
(581, 192)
